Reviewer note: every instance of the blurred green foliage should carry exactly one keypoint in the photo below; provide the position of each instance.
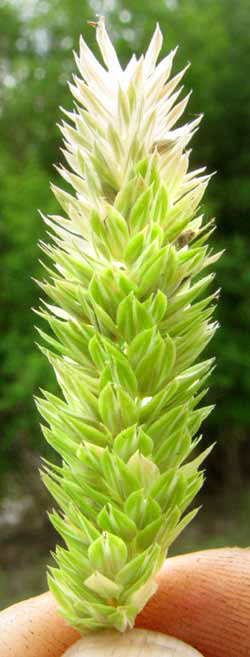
(35, 63)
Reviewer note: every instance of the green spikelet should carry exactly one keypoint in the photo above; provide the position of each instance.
(130, 315)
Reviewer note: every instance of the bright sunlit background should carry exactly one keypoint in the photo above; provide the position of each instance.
(36, 42)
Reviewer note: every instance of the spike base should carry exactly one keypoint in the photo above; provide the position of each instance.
(133, 643)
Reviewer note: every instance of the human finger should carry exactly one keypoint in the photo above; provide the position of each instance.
(203, 598)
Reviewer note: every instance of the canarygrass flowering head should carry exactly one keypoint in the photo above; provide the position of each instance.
(129, 317)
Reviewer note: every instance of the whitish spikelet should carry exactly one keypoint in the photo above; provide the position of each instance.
(129, 318)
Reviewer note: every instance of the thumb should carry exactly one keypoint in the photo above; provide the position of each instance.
(204, 599)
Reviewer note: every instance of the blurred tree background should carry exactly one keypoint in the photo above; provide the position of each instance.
(37, 37)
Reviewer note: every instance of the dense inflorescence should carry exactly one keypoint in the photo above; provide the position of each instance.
(130, 315)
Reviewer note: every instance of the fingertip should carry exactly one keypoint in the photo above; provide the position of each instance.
(204, 599)
(34, 628)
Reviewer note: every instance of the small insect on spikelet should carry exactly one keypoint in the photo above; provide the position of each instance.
(130, 315)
